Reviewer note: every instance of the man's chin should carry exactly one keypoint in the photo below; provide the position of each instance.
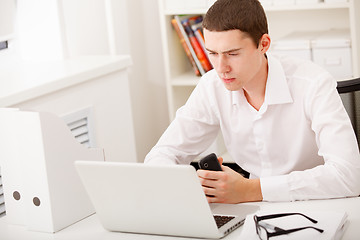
(232, 88)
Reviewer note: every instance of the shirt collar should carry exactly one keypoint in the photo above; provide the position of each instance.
(277, 89)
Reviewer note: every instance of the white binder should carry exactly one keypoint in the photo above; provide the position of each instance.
(41, 187)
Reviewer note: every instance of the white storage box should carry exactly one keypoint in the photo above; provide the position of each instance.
(296, 44)
(332, 50)
(42, 189)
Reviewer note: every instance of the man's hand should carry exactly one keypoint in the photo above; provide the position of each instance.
(228, 186)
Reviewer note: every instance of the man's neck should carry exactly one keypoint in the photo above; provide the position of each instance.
(255, 101)
(255, 91)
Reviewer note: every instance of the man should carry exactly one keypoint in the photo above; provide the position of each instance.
(282, 119)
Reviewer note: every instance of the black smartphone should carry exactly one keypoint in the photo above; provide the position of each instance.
(210, 162)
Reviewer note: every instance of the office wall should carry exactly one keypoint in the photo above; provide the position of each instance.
(85, 26)
(147, 77)
(7, 9)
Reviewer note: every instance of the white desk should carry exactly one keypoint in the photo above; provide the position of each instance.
(91, 229)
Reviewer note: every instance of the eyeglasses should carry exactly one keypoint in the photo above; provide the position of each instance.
(262, 228)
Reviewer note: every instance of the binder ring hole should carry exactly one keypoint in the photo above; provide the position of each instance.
(36, 201)
(16, 195)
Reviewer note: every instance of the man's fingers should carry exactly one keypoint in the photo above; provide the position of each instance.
(214, 175)
(221, 160)
(207, 183)
(209, 191)
(210, 181)
(210, 194)
(211, 199)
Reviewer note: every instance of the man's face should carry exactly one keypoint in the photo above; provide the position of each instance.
(235, 58)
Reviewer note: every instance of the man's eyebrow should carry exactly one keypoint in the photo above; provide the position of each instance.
(227, 51)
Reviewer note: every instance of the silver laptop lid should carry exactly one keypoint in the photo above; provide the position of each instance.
(153, 199)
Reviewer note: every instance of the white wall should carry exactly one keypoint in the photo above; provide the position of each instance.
(85, 26)
(39, 33)
(7, 9)
(147, 77)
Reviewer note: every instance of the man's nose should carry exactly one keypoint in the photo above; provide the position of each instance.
(223, 65)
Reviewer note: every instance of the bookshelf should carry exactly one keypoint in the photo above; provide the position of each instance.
(180, 78)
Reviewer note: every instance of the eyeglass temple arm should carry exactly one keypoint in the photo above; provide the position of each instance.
(270, 226)
(283, 232)
(284, 215)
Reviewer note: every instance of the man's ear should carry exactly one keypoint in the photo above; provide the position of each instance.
(264, 43)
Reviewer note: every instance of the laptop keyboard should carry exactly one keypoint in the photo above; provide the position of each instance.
(222, 220)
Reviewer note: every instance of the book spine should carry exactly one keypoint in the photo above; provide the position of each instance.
(200, 37)
(185, 46)
(188, 43)
(205, 63)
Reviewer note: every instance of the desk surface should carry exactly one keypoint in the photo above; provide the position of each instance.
(91, 229)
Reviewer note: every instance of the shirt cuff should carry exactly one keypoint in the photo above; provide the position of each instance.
(275, 188)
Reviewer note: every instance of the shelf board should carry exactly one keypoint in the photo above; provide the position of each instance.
(185, 79)
(317, 6)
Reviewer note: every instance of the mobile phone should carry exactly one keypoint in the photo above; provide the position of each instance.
(210, 162)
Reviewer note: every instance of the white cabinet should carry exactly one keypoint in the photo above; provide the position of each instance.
(68, 88)
(283, 19)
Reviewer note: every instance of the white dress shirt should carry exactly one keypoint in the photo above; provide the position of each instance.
(300, 143)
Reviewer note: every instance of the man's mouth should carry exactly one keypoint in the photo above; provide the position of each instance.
(228, 80)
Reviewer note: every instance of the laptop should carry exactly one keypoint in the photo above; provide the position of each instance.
(152, 199)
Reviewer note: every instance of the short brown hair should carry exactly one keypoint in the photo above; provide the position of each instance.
(248, 16)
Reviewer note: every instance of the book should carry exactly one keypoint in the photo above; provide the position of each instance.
(200, 53)
(189, 45)
(185, 47)
(198, 31)
(196, 25)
